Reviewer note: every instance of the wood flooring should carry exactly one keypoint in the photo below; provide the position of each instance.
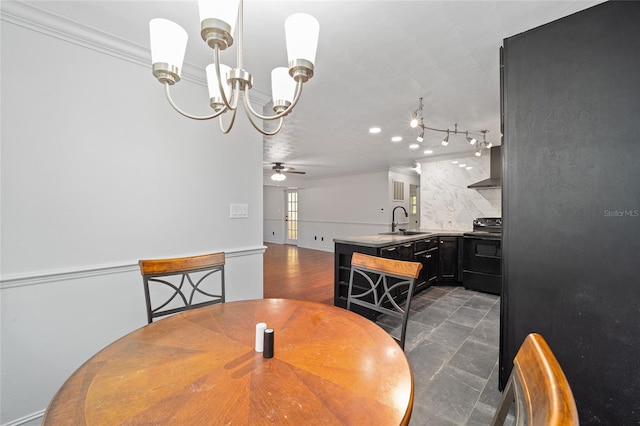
(292, 272)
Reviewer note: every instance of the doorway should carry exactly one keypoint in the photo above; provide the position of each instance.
(414, 208)
(291, 218)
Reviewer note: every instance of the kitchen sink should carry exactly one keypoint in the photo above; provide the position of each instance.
(402, 233)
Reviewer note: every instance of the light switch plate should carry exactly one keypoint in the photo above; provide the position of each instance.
(239, 211)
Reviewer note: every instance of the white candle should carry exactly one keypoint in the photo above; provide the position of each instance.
(260, 327)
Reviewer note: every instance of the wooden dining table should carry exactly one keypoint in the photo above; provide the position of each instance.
(330, 366)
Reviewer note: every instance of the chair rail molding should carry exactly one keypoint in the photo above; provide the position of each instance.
(26, 419)
(98, 270)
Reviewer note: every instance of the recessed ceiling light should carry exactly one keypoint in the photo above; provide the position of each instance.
(414, 146)
(462, 165)
(428, 151)
(454, 162)
(469, 168)
(374, 130)
(396, 139)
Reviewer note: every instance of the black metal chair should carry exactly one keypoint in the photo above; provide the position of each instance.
(184, 283)
(378, 284)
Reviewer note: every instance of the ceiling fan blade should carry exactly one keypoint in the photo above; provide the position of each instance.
(278, 167)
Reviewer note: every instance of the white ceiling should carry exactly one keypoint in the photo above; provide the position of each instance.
(374, 60)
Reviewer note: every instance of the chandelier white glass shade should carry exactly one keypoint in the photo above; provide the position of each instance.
(417, 121)
(217, 21)
(169, 43)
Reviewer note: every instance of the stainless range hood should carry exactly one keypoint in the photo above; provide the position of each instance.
(495, 176)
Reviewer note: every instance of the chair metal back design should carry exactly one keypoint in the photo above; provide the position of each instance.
(539, 388)
(184, 283)
(376, 291)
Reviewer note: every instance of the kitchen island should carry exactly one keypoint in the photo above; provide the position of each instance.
(440, 253)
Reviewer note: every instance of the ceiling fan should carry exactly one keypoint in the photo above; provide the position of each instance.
(279, 170)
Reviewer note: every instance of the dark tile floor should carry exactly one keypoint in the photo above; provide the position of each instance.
(452, 345)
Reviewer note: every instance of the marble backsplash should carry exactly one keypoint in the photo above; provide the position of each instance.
(445, 201)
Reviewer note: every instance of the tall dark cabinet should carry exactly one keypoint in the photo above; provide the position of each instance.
(571, 204)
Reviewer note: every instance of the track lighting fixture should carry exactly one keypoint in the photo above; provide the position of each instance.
(417, 121)
(483, 144)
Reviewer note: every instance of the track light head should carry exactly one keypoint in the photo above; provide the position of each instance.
(484, 139)
(445, 141)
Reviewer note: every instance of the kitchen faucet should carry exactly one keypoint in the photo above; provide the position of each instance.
(393, 213)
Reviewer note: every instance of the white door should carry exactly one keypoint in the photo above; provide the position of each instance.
(414, 210)
(291, 219)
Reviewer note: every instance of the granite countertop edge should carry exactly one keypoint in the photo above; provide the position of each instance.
(381, 240)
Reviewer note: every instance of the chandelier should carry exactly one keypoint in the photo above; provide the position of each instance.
(417, 121)
(217, 20)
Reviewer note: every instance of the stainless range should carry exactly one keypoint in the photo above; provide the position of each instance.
(482, 256)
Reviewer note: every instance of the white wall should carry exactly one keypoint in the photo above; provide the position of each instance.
(97, 172)
(334, 207)
(445, 201)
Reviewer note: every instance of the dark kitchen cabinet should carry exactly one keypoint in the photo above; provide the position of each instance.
(426, 252)
(342, 256)
(448, 260)
(342, 271)
(436, 266)
(399, 252)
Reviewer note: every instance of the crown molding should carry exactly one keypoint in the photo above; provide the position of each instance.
(28, 15)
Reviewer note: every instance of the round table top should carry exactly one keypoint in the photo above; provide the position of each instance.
(330, 366)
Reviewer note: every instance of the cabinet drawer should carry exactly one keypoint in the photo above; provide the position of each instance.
(426, 244)
(399, 252)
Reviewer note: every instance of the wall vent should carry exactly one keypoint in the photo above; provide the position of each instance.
(398, 190)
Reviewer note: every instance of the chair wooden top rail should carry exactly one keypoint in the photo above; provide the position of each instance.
(547, 393)
(167, 266)
(388, 266)
(541, 391)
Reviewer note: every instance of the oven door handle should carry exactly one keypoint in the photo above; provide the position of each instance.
(488, 257)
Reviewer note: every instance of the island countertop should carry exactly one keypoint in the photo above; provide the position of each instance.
(386, 239)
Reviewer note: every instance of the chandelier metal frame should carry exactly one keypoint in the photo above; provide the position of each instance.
(218, 36)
